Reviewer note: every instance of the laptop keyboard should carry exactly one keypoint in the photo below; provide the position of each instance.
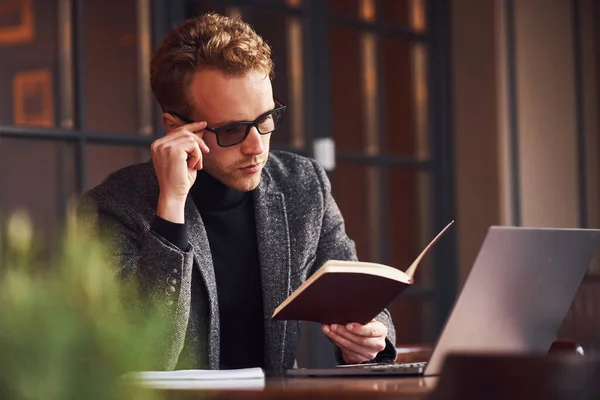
(399, 369)
(408, 367)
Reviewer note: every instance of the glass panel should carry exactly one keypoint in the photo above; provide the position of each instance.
(221, 6)
(194, 8)
(358, 109)
(408, 214)
(346, 8)
(407, 204)
(405, 111)
(289, 3)
(110, 66)
(28, 37)
(413, 321)
(284, 35)
(235, 8)
(348, 104)
(397, 13)
(403, 13)
(103, 160)
(353, 204)
(38, 178)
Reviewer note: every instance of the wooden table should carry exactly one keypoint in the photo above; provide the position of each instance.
(490, 377)
(321, 388)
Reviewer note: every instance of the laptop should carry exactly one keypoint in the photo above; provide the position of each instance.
(514, 300)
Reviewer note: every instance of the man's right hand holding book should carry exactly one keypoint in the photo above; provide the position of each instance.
(358, 343)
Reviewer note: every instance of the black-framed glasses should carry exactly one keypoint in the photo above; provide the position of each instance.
(236, 132)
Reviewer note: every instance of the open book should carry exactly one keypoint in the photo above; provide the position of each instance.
(348, 291)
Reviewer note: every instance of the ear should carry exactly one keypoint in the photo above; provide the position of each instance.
(170, 123)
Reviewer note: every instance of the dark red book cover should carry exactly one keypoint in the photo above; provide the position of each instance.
(340, 298)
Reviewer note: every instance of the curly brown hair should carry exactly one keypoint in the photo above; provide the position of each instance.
(208, 41)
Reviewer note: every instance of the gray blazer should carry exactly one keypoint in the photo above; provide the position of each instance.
(298, 225)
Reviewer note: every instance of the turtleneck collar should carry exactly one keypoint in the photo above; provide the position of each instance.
(211, 195)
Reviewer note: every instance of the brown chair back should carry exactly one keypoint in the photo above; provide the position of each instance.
(493, 377)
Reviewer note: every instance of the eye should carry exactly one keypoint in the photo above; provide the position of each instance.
(234, 130)
(265, 119)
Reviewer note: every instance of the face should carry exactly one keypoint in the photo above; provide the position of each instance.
(220, 99)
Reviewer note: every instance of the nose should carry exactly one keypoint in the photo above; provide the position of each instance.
(253, 144)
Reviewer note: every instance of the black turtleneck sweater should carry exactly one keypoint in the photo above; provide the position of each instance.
(228, 217)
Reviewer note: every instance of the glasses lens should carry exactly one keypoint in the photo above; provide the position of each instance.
(270, 122)
(232, 135)
(266, 124)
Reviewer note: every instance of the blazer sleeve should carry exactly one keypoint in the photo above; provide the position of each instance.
(335, 244)
(159, 272)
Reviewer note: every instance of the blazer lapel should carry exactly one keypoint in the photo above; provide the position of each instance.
(203, 261)
(275, 261)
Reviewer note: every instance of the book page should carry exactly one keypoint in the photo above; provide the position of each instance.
(413, 267)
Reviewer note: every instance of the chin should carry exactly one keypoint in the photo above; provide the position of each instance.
(246, 184)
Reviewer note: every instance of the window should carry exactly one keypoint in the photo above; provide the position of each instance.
(370, 75)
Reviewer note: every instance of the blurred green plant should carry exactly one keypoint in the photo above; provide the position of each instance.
(65, 329)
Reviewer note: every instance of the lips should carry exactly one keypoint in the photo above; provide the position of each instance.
(251, 168)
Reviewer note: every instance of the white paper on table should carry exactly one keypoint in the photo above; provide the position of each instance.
(198, 374)
(232, 384)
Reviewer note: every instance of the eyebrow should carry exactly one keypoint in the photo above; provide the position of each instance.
(229, 122)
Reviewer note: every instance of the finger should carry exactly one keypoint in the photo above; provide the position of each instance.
(351, 357)
(185, 147)
(376, 344)
(195, 127)
(346, 344)
(202, 144)
(182, 146)
(192, 151)
(172, 140)
(195, 158)
(372, 329)
(157, 144)
(197, 136)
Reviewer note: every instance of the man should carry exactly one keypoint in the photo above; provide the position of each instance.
(217, 228)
